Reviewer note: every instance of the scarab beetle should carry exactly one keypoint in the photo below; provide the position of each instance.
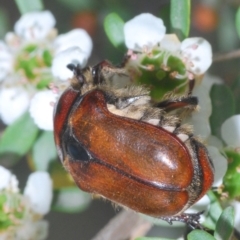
(118, 144)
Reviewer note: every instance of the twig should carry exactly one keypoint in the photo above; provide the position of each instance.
(226, 56)
(126, 225)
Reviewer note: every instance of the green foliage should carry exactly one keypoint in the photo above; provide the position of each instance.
(25, 6)
(238, 21)
(225, 224)
(71, 200)
(214, 211)
(113, 26)
(78, 5)
(19, 137)
(226, 28)
(200, 235)
(180, 17)
(4, 23)
(44, 151)
(151, 238)
(232, 177)
(223, 107)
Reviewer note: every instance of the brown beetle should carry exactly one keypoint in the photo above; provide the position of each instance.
(118, 144)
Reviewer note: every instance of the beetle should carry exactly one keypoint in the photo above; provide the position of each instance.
(117, 143)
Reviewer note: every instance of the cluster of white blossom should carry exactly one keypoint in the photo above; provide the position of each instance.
(31, 58)
(22, 213)
(146, 32)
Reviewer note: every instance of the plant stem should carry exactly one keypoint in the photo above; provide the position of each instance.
(126, 225)
(226, 56)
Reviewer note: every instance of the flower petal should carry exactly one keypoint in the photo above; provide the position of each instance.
(41, 109)
(8, 181)
(35, 25)
(170, 42)
(230, 131)
(71, 55)
(13, 103)
(6, 61)
(197, 53)
(200, 119)
(39, 191)
(75, 38)
(144, 30)
(236, 206)
(37, 230)
(220, 165)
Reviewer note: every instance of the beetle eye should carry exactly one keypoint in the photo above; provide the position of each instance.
(76, 151)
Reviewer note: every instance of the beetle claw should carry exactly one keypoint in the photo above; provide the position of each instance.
(191, 219)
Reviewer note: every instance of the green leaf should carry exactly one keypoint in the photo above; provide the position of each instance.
(47, 57)
(237, 21)
(223, 107)
(226, 28)
(235, 88)
(200, 235)
(78, 5)
(19, 137)
(180, 17)
(44, 151)
(61, 178)
(113, 26)
(71, 200)
(225, 224)
(4, 23)
(232, 177)
(214, 211)
(25, 6)
(152, 238)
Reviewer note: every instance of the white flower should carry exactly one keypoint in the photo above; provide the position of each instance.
(200, 121)
(197, 52)
(236, 206)
(230, 131)
(6, 61)
(39, 192)
(37, 230)
(41, 109)
(8, 181)
(171, 43)
(200, 118)
(144, 30)
(75, 38)
(27, 68)
(220, 165)
(35, 25)
(13, 103)
(72, 55)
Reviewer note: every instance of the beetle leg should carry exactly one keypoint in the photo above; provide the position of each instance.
(190, 102)
(191, 219)
(123, 102)
(191, 86)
